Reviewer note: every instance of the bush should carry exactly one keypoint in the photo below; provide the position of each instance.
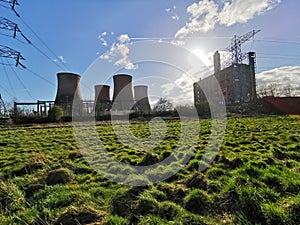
(55, 114)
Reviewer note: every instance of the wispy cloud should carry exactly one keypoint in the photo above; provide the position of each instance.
(172, 11)
(118, 54)
(206, 14)
(102, 39)
(60, 58)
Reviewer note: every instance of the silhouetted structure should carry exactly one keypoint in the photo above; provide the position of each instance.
(123, 94)
(142, 104)
(102, 99)
(237, 82)
(68, 93)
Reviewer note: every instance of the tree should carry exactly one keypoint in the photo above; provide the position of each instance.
(163, 105)
(55, 114)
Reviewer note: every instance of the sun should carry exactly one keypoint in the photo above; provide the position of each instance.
(200, 54)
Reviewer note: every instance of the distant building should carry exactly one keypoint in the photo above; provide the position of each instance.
(237, 82)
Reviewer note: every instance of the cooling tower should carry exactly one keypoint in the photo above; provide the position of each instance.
(68, 90)
(142, 104)
(123, 96)
(102, 93)
(102, 99)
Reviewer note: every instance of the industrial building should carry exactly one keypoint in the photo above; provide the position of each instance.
(237, 82)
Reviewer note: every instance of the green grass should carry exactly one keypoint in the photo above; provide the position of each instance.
(255, 178)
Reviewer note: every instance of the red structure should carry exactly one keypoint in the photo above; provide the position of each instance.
(288, 105)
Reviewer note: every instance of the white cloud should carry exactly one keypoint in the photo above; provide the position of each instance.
(203, 17)
(225, 58)
(123, 38)
(118, 53)
(180, 91)
(241, 11)
(206, 14)
(282, 77)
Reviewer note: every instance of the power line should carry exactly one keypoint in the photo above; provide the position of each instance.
(7, 52)
(277, 54)
(6, 7)
(12, 3)
(6, 24)
(9, 82)
(19, 79)
(10, 36)
(39, 76)
(35, 34)
(278, 41)
(5, 90)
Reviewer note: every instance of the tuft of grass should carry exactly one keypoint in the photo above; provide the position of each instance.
(80, 215)
(197, 201)
(11, 198)
(169, 210)
(114, 220)
(152, 220)
(59, 176)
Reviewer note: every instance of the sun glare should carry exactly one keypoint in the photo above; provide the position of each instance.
(200, 54)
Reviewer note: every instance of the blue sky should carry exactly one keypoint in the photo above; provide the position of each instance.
(79, 32)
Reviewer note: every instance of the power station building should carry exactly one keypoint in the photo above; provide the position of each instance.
(237, 82)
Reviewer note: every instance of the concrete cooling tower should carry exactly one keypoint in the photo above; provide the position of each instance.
(123, 95)
(102, 99)
(68, 90)
(142, 104)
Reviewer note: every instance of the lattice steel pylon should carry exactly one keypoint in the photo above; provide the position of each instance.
(3, 111)
(7, 52)
(6, 24)
(235, 47)
(12, 3)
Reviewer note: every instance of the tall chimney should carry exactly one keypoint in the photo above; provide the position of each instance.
(68, 90)
(251, 57)
(142, 104)
(217, 62)
(123, 95)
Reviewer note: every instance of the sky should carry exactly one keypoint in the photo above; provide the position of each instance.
(146, 39)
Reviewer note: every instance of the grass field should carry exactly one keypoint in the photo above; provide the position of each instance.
(255, 178)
